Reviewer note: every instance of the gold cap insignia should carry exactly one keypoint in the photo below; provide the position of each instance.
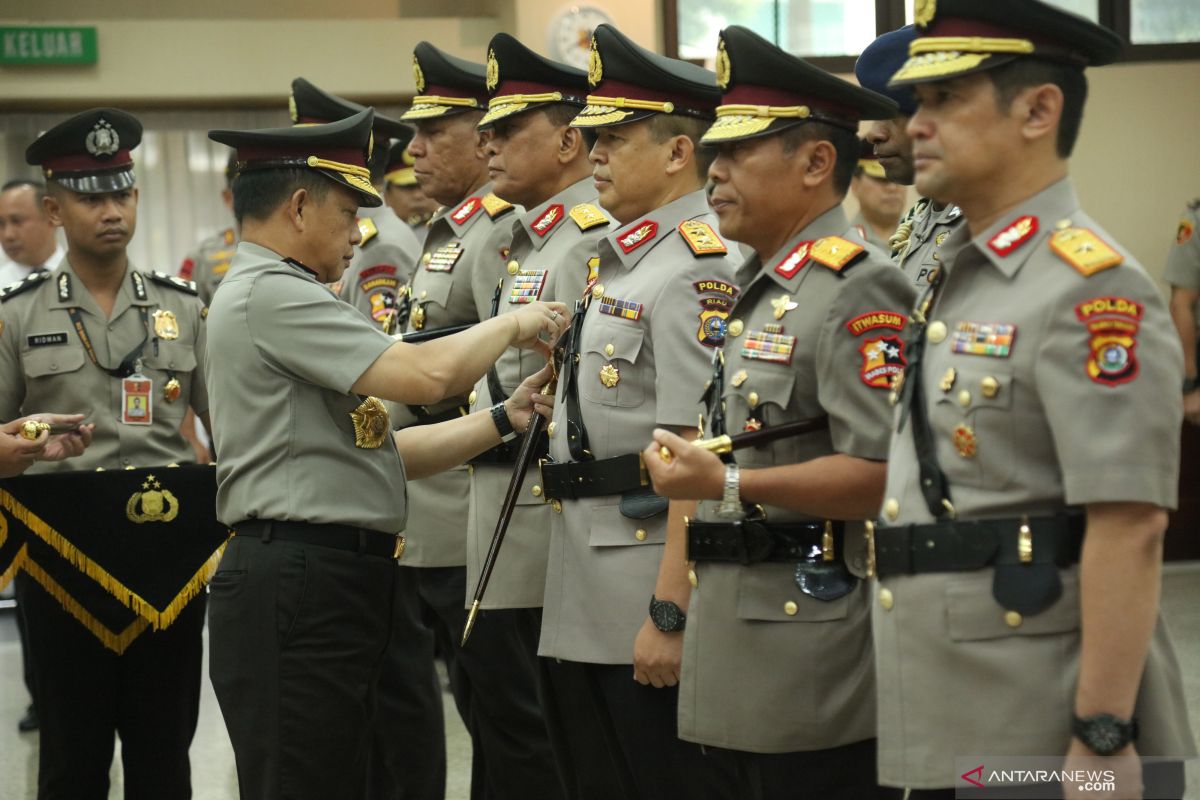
(370, 423)
(493, 71)
(295, 115)
(924, 12)
(165, 325)
(418, 76)
(152, 504)
(595, 67)
(723, 65)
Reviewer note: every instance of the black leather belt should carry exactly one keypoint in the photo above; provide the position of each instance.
(339, 537)
(751, 542)
(571, 480)
(960, 546)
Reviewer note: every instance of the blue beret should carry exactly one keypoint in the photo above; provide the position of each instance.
(880, 61)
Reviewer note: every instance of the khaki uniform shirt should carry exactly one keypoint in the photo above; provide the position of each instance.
(924, 248)
(1046, 388)
(655, 316)
(1183, 262)
(45, 367)
(293, 442)
(384, 261)
(803, 666)
(552, 247)
(462, 251)
(208, 263)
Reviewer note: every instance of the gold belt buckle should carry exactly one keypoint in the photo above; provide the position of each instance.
(869, 533)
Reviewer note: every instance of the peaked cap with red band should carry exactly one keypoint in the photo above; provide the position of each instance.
(445, 84)
(89, 152)
(519, 79)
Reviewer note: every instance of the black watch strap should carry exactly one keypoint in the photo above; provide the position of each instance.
(667, 616)
(1104, 734)
(503, 426)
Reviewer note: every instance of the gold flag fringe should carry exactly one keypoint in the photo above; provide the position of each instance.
(128, 598)
(117, 642)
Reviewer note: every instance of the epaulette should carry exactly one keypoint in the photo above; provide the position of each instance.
(587, 216)
(494, 206)
(25, 284)
(174, 281)
(701, 238)
(366, 227)
(1084, 251)
(835, 252)
(229, 236)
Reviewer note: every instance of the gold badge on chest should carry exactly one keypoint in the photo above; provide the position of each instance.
(370, 423)
(610, 376)
(964, 441)
(165, 325)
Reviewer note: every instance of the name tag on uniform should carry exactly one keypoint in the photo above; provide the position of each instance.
(983, 339)
(137, 395)
(527, 286)
(445, 257)
(44, 339)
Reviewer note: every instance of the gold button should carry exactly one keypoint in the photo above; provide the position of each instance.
(790, 608)
(536, 490)
(597, 291)
(990, 387)
(891, 509)
(640, 534)
(551, 428)
(964, 398)
(472, 397)
(1012, 619)
(609, 349)
(752, 399)
(557, 505)
(886, 600)
(426, 258)
(735, 327)
(692, 579)
(1062, 224)
(513, 266)
(937, 331)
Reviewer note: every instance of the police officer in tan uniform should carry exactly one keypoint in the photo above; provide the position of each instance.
(539, 162)
(814, 333)
(126, 346)
(462, 253)
(207, 264)
(1035, 451)
(639, 357)
(386, 257)
(1183, 273)
(919, 242)
(310, 476)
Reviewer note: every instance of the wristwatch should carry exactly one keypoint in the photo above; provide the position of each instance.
(731, 500)
(1190, 385)
(666, 616)
(1104, 734)
(503, 426)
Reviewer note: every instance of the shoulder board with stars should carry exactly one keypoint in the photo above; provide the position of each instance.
(835, 252)
(28, 282)
(587, 216)
(494, 206)
(1084, 251)
(174, 281)
(701, 238)
(367, 229)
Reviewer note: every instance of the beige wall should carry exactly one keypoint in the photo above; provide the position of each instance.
(1136, 164)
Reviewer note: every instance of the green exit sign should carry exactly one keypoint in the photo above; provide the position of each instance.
(42, 45)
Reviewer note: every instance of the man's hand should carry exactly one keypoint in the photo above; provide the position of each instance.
(18, 454)
(529, 398)
(657, 656)
(540, 318)
(1124, 764)
(1191, 407)
(693, 474)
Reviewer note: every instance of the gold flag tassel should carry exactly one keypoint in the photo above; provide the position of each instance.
(117, 642)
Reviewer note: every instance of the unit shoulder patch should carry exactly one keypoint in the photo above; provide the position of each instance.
(1084, 251)
(30, 281)
(173, 281)
(367, 229)
(701, 238)
(588, 216)
(835, 252)
(494, 206)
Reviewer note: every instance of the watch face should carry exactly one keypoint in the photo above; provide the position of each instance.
(570, 34)
(665, 616)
